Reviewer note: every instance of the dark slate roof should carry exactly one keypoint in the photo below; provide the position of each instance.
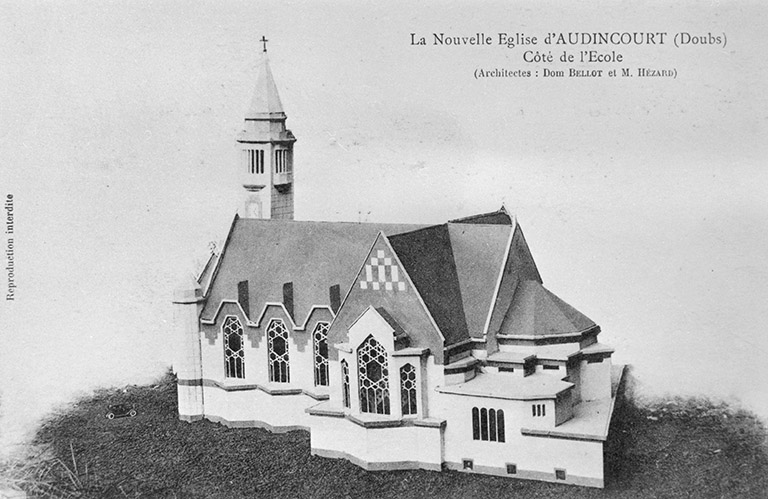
(479, 252)
(498, 217)
(455, 267)
(311, 255)
(535, 311)
(427, 257)
(396, 327)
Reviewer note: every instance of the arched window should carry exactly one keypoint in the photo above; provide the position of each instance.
(488, 424)
(500, 432)
(320, 342)
(234, 356)
(408, 389)
(483, 424)
(345, 382)
(277, 351)
(373, 375)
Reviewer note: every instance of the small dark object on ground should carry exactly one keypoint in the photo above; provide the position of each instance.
(672, 457)
(120, 411)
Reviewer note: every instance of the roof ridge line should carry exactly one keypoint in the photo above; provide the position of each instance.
(421, 229)
(479, 215)
(500, 278)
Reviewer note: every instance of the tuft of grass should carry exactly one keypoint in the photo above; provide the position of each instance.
(41, 474)
(662, 448)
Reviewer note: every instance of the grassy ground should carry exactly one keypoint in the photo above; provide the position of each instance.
(679, 448)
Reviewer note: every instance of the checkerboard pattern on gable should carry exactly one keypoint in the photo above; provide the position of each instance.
(381, 273)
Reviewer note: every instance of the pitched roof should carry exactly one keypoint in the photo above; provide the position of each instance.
(399, 332)
(535, 311)
(311, 255)
(266, 101)
(479, 252)
(498, 217)
(205, 276)
(455, 268)
(427, 256)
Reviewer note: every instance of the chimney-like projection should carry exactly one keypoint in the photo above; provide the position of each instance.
(335, 297)
(288, 298)
(242, 297)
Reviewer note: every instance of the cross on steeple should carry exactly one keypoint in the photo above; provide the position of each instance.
(264, 41)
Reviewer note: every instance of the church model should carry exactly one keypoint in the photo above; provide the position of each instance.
(396, 346)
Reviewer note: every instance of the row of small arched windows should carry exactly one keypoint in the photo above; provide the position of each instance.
(277, 351)
(488, 424)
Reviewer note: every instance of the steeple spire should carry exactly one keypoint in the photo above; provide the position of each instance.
(266, 164)
(266, 101)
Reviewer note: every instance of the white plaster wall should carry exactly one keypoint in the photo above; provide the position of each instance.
(564, 407)
(595, 380)
(334, 380)
(574, 372)
(302, 364)
(187, 358)
(522, 349)
(370, 323)
(517, 413)
(257, 406)
(186, 362)
(435, 376)
(256, 360)
(528, 453)
(563, 348)
(190, 399)
(578, 458)
(395, 391)
(376, 445)
(212, 356)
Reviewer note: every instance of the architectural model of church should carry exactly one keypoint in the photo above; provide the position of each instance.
(396, 346)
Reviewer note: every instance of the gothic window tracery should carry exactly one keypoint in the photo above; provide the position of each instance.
(408, 389)
(373, 374)
(277, 351)
(234, 356)
(320, 342)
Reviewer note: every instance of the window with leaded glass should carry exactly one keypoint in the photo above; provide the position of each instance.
(488, 424)
(345, 382)
(320, 342)
(277, 350)
(234, 356)
(373, 375)
(408, 389)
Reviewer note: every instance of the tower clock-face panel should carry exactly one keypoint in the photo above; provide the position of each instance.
(254, 210)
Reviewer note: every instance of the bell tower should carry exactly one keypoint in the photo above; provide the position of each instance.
(266, 152)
